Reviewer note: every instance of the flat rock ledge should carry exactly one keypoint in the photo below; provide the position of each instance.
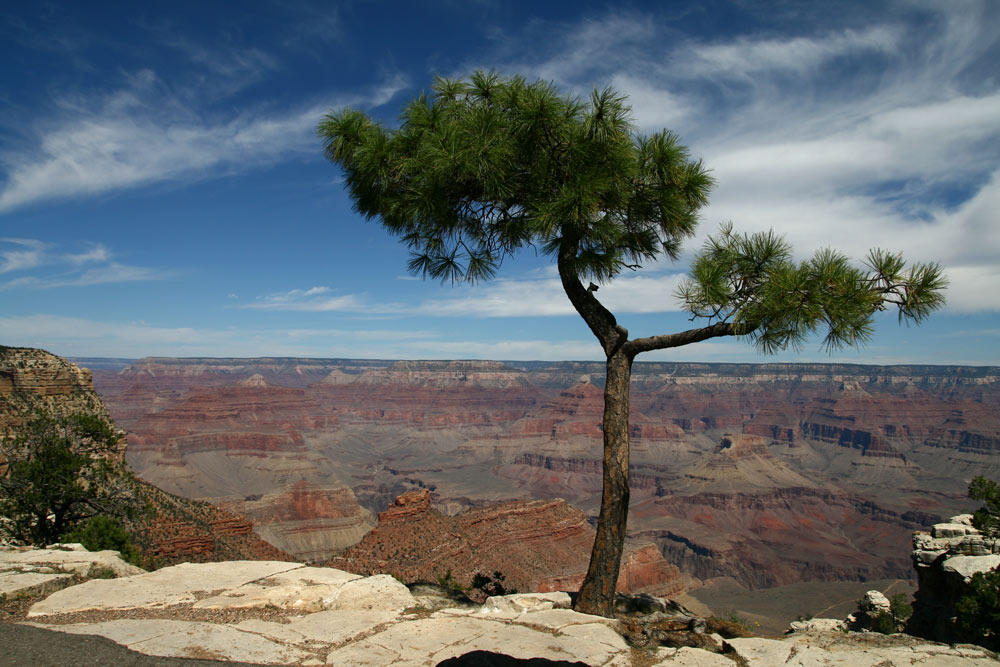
(28, 571)
(286, 613)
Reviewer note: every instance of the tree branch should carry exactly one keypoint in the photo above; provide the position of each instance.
(600, 320)
(639, 345)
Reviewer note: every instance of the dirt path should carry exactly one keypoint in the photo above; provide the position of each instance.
(819, 614)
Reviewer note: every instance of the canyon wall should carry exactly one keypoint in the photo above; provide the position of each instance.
(769, 473)
(167, 529)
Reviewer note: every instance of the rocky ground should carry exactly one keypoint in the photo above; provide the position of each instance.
(277, 612)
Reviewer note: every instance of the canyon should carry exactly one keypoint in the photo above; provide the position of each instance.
(769, 474)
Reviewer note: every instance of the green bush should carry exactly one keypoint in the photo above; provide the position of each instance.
(58, 474)
(987, 518)
(102, 532)
(883, 623)
(900, 607)
(977, 613)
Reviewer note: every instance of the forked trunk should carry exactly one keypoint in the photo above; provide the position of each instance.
(597, 594)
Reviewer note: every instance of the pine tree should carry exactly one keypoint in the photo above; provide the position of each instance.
(482, 168)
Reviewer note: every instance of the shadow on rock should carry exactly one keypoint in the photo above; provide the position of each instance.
(489, 659)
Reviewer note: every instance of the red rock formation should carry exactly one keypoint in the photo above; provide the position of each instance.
(412, 503)
(538, 545)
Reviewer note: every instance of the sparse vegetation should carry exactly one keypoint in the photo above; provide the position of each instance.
(978, 611)
(58, 474)
(102, 532)
(449, 583)
(987, 518)
(886, 622)
(733, 625)
(900, 607)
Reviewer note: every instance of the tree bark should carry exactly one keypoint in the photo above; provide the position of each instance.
(597, 594)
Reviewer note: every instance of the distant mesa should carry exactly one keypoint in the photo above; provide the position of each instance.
(255, 380)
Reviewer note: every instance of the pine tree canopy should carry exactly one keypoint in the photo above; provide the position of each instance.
(481, 168)
(485, 167)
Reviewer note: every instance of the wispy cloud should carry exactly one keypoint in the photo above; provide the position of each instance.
(52, 268)
(748, 56)
(27, 254)
(531, 296)
(145, 133)
(314, 299)
(882, 136)
(98, 253)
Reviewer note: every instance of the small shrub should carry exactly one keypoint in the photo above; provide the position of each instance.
(882, 622)
(900, 607)
(101, 532)
(978, 612)
(987, 518)
(449, 583)
(100, 572)
(729, 628)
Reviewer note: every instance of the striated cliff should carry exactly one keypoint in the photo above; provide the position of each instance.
(33, 380)
(539, 545)
(743, 470)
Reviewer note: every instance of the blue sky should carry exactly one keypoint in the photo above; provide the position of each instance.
(162, 190)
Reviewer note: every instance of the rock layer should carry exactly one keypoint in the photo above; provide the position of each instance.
(537, 545)
(770, 473)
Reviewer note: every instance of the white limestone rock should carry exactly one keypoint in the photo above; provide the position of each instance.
(381, 591)
(875, 602)
(518, 603)
(951, 530)
(192, 639)
(818, 625)
(303, 589)
(690, 657)
(179, 584)
(14, 583)
(966, 566)
(66, 558)
(759, 651)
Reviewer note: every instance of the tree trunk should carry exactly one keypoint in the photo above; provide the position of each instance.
(597, 594)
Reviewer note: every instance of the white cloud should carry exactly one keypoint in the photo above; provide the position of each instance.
(545, 297)
(143, 135)
(28, 255)
(897, 149)
(68, 269)
(98, 253)
(748, 56)
(313, 299)
(526, 297)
